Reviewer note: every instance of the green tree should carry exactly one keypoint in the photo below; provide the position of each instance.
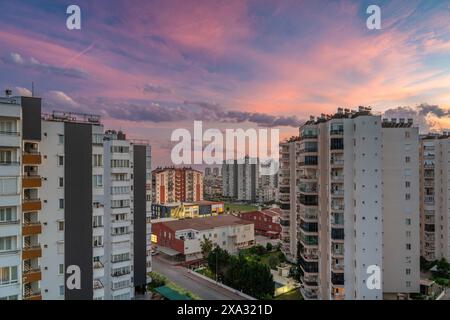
(273, 262)
(443, 268)
(269, 247)
(206, 245)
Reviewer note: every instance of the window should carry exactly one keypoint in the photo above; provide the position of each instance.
(115, 163)
(408, 221)
(8, 275)
(7, 156)
(120, 190)
(61, 268)
(97, 221)
(61, 290)
(407, 184)
(60, 160)
(407, 196)
(60, 225)
(97, 181)
(408, 284)
(61, 182)
(98, 241)
(61, 203)
(120, 257)
(60, 139)
(408, 246)
(8, 127)
(60, 247)
(408, 271)
(408, 234)
(407, 134)
(98, 160)
(407, 159)
(8, 185)
(8, 243)
(13, 297)
(97, 138)
(120, 149)
(8, 214)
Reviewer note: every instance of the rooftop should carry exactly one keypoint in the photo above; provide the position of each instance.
(270, 212)
(172, 168)
(206, 223)
(65, 116)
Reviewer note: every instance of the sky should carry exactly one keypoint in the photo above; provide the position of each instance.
(149, 67)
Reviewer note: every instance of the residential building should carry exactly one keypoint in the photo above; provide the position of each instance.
(182, 238)
(172, 184)
(59, 201)
(267, 221)
(212, 184)
(434, 196)
(287, 197)
(357, 205)
(240, 179)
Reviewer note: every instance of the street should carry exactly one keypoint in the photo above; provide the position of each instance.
(198, 286)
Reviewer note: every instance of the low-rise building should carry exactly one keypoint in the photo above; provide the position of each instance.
(181, 210)
(183, 238)
(267, 222)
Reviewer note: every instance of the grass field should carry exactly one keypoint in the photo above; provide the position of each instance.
(239, 207)
(291, 295)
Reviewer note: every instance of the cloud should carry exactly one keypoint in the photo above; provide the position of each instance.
(58, 100)
(24, 92)
(32, 63)
(204, 111)
(427, 117)
(148, 88)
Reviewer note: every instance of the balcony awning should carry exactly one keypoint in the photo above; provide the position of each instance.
(169, 251)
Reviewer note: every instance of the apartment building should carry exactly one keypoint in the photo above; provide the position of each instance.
(287, 197)
(182, 238)
(357, 205)
(434, 196)
(240, 181)
(63, 212)
(212, 183)
(172, 184)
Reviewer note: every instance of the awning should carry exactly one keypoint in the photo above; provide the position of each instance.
(169, 251)
(171, 294)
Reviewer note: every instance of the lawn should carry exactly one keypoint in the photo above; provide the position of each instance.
(239, 207)
(291, 295)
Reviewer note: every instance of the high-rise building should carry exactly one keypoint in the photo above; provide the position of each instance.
(434, 193)
(357, 205)
(240, 181)
(177, 185)
(60, 201)
(287, 197)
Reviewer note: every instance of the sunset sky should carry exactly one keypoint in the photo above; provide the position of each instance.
(151, 66)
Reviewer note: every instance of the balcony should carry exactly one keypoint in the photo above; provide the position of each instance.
(97, 285)
(32, 295)
(337, 267)
(33, 158)
(31, 275)
(9, 139)
(31, 228)
(308, 294)
(31, 181)
(31, 205)
(429, 200)
(32, 252)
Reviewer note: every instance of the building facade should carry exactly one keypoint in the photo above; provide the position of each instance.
(267, 222)
(184, 237)
(357, 205)
(64, 193)
(435, 194)
(177, 185)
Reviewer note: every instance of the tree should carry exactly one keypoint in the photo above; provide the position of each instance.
(273, 262)
(206, 245)
(269, 247)
(218, 261)
(443, 268)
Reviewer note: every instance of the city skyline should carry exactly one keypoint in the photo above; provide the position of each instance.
(152, 67)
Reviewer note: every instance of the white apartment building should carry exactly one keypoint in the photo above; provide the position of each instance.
(357, 205)
(435, 195)
(10, 200)
(287, 197)
(61, 204)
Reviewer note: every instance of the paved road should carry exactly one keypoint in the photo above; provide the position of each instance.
(200, 287)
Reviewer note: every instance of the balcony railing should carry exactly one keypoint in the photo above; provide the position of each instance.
(9, 163)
